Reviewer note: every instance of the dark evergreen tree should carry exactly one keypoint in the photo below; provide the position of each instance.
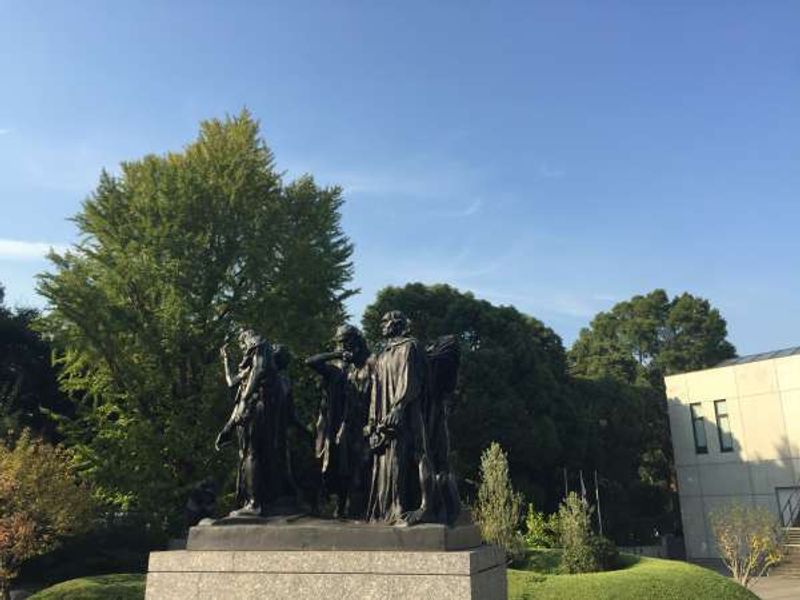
(29, 394)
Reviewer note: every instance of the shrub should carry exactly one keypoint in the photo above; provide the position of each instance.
(605, 552)
(40, 503)
(583, 551)
(104, 587)
(497, 510)
(749, 539)
(638, 578)
(541, 531)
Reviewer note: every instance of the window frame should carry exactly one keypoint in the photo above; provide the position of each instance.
(696, 416)
(727, 416)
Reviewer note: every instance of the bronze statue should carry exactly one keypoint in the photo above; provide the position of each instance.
(342, 415)
(263, 409)
(382, 438)
(401, 472)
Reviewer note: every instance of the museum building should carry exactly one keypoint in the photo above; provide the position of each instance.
(736, 437)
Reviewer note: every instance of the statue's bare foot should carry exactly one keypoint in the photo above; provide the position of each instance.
(251, 509)
(414, 517)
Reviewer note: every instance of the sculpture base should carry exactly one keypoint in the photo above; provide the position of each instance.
(308, 533)
(476, 574)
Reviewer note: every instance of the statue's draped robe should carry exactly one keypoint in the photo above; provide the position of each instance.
(339, 441)
(261, 423)
(398, 382)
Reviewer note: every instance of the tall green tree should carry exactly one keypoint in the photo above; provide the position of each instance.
(175, 253)
(619, 363)
(649, 336)
(512, 384)
(29, 391)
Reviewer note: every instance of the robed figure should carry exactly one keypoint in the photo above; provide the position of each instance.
(263, 408)
(340, 446)
(396, 427)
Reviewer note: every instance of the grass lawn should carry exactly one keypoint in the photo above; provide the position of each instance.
(637, 579)
(100, 587)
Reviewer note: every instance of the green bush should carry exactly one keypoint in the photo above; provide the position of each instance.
(583, 551)
(497, 510)
(103, 587)
(116, 544)
(541, 531)
(638, 579)
(605, 552)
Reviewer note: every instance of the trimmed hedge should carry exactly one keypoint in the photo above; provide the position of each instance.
(637, 579)
(101, 587)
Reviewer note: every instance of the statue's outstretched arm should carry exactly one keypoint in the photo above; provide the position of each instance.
(319, 362)
(231, 379)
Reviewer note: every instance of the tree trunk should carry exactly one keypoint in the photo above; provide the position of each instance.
(5, 589)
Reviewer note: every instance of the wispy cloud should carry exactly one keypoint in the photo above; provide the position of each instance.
(25, 250)
(546, 171)
(4, 131)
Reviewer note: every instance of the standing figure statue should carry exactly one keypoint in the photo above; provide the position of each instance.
(263, 409)
(342, 415)
(400, 485)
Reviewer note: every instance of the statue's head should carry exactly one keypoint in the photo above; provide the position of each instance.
(350, 339)
(249, 339)
(282, 356)
(395, 324)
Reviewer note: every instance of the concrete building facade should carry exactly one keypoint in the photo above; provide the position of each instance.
(736, 437)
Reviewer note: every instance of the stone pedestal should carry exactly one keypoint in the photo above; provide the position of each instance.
(300, 557)
(475, 574)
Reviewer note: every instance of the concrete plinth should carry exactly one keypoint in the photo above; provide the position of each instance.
(475, 574)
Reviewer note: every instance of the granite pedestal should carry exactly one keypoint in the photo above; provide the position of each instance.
(314, 559)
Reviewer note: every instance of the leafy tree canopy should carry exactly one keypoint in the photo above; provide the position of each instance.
(649, 336)
(175, 253)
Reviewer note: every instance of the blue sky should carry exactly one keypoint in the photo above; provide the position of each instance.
(558, 156)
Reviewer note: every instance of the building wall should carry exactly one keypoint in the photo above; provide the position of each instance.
(763, 402)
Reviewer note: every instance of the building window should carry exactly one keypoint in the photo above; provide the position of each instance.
(723, 426)
(698, 429)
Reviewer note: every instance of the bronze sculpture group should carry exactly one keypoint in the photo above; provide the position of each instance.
(381, 442)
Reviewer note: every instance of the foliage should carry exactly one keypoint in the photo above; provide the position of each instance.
(541, 530)
(28, 386)
(575, 536)
(640, 578)
(582, 550)
(175, 253)
(619, 362)
(605, 552)
(104, 587)
(545, 561)
(40, 503)
(647, 337)
(115, 544)
(622, 431)
(512, 383)
(749, 539)
(497, 509)
(514, 388)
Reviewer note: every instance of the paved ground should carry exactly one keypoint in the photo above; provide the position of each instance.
(776, 587)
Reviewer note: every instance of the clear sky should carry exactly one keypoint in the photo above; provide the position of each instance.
(558, 156)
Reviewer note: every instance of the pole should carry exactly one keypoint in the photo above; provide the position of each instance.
(566, 486)
(597, 499)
